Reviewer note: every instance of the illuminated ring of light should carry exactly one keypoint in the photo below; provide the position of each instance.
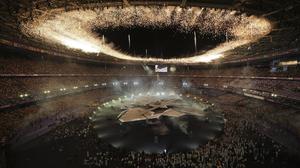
(74, 29)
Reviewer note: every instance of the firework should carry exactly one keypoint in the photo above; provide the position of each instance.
(74, 29)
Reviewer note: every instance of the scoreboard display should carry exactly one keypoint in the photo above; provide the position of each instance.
(160, 68)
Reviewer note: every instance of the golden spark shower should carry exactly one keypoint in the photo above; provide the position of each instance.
(74, 29)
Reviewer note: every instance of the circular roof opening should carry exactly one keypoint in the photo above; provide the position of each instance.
(77, 29)
(164, 42)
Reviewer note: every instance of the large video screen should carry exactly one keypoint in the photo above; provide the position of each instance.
(161, 68)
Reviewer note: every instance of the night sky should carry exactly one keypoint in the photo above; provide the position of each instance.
(161, 43)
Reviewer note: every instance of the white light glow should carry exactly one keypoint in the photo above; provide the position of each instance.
(79, 44)
(136, 83)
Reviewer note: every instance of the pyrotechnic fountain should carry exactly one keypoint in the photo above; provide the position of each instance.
(129, 41)
(195, 41)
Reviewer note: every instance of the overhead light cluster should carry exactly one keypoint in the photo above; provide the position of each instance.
(75, 29)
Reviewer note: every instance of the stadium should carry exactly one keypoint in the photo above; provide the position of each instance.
(149, 84)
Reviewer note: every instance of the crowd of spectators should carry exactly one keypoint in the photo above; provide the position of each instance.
(21, 120)
(12, 64)
(280, 88)
(234, 150)
(13, 87)
(243, 144)
(246, 71)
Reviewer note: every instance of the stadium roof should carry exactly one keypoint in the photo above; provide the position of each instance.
(283, 40)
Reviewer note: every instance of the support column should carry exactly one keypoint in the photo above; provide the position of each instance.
(183, 3)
